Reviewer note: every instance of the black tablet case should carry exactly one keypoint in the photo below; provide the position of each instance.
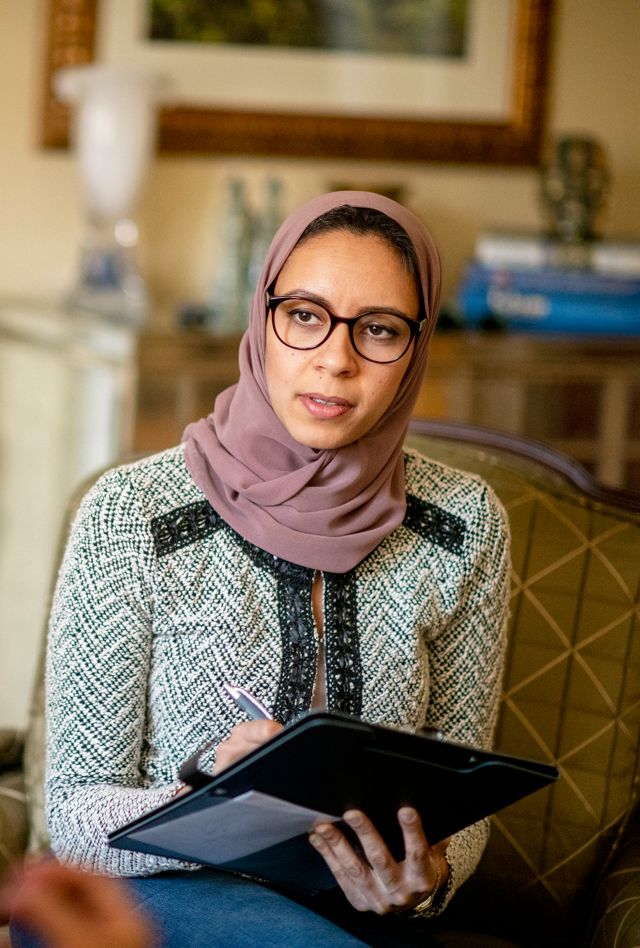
(333, 762)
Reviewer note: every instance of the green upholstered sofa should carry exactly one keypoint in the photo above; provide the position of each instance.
(562, 867)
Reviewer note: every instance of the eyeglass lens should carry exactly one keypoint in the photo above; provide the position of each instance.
(303, 324)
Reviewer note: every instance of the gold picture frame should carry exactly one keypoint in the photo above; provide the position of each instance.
(71, 40)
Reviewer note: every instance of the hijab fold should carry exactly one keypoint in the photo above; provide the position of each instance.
(323, 509)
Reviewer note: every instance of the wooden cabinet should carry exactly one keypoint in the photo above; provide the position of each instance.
(179, 375)
(580, 395)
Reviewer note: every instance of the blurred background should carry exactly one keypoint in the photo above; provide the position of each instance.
(78, 391)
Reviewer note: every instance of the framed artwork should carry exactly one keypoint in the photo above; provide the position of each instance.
(472, 90)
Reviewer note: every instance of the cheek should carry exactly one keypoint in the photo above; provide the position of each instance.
(274, 364)
(385, 389)
(269, 370)
(280, 366)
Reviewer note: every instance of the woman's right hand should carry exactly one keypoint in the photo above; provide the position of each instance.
(243, 739)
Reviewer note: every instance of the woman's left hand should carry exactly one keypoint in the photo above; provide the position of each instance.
(375, 882)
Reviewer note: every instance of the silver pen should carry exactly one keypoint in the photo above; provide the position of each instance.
(246, 701)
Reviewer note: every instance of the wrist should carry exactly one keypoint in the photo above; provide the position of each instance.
(430, 902)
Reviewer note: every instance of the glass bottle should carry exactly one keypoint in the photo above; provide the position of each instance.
(229, 302)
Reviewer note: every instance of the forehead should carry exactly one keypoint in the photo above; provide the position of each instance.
(341, 261)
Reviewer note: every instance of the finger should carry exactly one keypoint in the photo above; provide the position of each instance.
(243, 739)
(375, 849)
(252, 733)
(419, 856)
(414, 830)
(349, 871)
(257, 732)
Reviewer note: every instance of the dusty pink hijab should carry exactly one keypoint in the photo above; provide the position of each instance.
(323, 509)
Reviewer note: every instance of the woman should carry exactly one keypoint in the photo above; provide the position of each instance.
(289, 546)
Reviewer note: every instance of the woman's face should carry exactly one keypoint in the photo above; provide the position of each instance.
(330, 396)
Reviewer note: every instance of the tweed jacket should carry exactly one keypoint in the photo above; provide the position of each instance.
(159, 601)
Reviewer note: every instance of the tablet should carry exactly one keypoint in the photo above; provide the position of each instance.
(255, 816)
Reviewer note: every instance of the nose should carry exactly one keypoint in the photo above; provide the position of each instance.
(336, 354)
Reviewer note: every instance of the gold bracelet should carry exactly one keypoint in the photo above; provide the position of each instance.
(421, 907)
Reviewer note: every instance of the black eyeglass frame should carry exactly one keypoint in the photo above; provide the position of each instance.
(415, 325)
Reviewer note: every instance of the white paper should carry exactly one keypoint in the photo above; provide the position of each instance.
(234, 828)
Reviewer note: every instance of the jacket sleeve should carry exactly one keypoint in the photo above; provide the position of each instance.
(97, 675)
(466, 662)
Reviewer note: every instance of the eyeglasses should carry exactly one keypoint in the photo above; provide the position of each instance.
(302, 323)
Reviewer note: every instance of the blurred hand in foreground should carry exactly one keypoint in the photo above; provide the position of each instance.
(66, 907)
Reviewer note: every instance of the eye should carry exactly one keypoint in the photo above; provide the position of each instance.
(380, 327)
(304, 314)
(305, 317)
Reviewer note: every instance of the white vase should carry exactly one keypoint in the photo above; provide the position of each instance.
(113, 134)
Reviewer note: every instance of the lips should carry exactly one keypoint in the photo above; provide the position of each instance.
(327, 399)
(325, 406)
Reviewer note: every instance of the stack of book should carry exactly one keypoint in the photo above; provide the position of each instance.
(532, 282)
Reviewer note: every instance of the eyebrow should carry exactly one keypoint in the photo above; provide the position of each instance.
(322, 301)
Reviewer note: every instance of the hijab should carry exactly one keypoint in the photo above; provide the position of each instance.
(321, 509)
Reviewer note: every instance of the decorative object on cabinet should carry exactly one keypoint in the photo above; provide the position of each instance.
(114, 130)
(266, 220)
(495, 115)
(229, 296)
(575, 186)
(244, 236)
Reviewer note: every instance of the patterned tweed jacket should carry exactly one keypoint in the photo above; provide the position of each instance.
(159, 601)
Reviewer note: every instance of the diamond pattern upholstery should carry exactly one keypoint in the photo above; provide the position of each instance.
(571, 692)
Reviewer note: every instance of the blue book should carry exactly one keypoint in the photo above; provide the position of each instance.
(549, 312)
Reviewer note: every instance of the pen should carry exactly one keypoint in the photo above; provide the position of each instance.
(245, 700)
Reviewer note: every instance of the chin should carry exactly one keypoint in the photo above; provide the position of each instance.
(322, 440)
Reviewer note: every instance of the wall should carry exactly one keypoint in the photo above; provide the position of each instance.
(595, 83)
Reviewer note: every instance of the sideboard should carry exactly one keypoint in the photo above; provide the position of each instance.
(581, 395)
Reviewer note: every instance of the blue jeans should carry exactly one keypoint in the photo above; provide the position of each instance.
(211, 908)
